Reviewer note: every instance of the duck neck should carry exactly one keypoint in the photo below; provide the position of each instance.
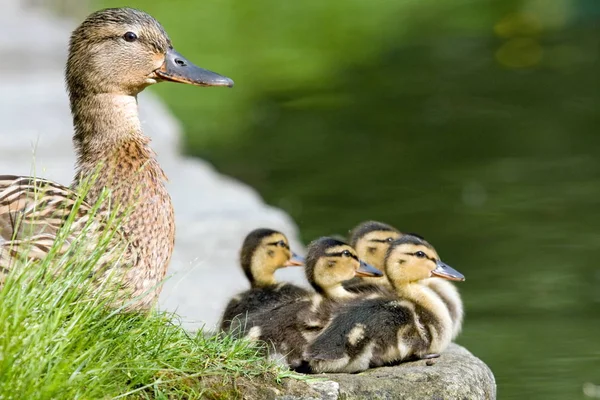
(262, 276)
(430, 314)
(338, 292)
(413, 291)
(451, 298)
(113, 154)
(112, 151)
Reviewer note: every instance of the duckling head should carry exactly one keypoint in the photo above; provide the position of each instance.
(372, 239)
(411, 259)
(329, 262)
(263, 252)
(124, 50)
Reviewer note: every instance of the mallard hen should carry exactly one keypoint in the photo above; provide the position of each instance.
(113, 55)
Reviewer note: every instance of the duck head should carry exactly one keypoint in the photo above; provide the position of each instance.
(372, 239)
(329, 262)
(263, 252)
(411, 259)
(124, 50)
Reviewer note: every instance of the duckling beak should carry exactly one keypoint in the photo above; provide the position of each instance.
(177, 68)
(445, 271)
(295, 261)
(368, 270)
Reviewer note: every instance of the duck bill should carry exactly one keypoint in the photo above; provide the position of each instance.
(295, 261)
(368, 270)
(177, 68)
(445, 271)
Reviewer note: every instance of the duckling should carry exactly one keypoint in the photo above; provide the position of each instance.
(113, 55)
(383, 330)
(330, 263)
(372, 239)
(263, 252)
(288, 327)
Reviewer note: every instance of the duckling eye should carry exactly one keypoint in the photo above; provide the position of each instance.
(281, 243)
(390, 239)
(346, 253)
(420, 254)
(130, 37)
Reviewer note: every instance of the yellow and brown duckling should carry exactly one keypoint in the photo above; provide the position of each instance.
(377, 331)
(113, 55)
(287, 328)
(331, 262)
(371, 239)
(263, 252)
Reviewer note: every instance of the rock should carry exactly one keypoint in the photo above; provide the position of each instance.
(213, 212)
(319, 390)
(328, 390)
(457, 374)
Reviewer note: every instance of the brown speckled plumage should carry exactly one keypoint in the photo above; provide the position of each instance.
(104, 74)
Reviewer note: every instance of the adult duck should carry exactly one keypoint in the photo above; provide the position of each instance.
(113, 55)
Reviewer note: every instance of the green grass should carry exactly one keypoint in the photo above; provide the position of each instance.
(60, 339)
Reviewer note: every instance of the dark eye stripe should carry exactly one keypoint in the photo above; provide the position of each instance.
(379, 240)
(277, 244)
(340, 254)
(426, 256)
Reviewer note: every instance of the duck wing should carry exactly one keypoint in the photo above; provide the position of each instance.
(32, 212)
(32, 206)
(355, 325)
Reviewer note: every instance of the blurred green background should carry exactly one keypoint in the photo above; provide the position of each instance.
(473, 123)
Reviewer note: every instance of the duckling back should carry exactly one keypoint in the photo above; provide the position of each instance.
(257, 300)
(378, 331)
(286, 328)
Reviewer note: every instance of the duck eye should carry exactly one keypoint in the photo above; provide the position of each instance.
(346, 253)
(130, 37)
(281, 243)
(390, 239)
(420, 254)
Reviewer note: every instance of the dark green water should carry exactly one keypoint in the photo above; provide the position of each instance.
(498, 168)
(474, 128)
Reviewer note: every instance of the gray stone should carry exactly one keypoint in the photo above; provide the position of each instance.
(319, 390)
(329, 390)
(456, 375)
